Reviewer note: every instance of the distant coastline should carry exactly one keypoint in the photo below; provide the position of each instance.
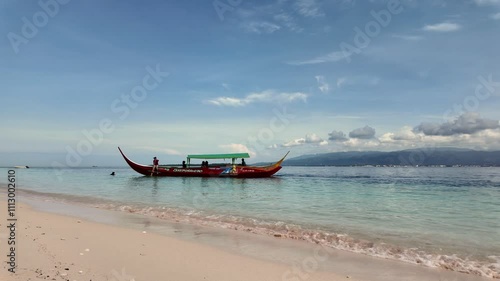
(425, 157)
(399, 166)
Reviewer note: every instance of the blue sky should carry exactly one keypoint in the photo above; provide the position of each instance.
(258, 76)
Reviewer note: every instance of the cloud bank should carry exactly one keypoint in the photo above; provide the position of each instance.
(467, 123)
(268, 96)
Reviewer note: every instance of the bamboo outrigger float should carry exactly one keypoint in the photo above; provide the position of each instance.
(214, 170)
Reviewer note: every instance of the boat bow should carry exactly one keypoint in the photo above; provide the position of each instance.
(141, 169)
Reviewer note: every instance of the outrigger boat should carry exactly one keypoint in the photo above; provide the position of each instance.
(212, 170)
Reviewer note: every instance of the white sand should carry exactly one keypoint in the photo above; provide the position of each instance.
(60, 247)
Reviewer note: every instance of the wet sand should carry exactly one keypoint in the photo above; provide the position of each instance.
(92, 244)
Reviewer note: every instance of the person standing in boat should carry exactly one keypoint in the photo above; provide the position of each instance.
(243, 162)
(155, 165)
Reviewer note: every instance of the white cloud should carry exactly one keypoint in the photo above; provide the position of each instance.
(295, 142)
(361, 144)
(313, 138)
(484, 140)
(308, 139)
(228, 101)
(406, 136)
(408, 37)
(331, 57)
(270, 17)
(341, 81)
(323, 86)
(324, 142)
(288, 21)
(237, 148)
(308, 8)
(261, 27)
(495, 16)
(168, 151)
(268, 96)
(290, 97)
(442, 27)
(357, 80)
(406, 133)
(386, 138)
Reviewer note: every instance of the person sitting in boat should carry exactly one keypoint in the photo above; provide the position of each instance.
(155, 165)
(243, 162)
(184, 164)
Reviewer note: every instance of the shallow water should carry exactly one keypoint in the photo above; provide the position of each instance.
(442, 217)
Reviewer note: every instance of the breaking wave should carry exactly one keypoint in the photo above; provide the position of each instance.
(488, 267)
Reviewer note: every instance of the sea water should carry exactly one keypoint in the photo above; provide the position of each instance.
(439, 217)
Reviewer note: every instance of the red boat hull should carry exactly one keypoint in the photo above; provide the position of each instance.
(235, 171)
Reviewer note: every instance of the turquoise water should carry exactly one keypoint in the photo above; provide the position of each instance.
(441, 217)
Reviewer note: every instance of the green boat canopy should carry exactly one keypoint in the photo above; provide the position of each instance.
(218, 156)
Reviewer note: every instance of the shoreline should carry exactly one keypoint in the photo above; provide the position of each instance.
(359, 245)
(278, 257)
(59, 247)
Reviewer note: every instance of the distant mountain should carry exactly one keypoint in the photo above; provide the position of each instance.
(410, 157)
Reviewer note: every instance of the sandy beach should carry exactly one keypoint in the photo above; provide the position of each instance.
(55, 247)
(64, 247)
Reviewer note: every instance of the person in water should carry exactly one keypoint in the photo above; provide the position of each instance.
(112, 174)
(155, 165)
